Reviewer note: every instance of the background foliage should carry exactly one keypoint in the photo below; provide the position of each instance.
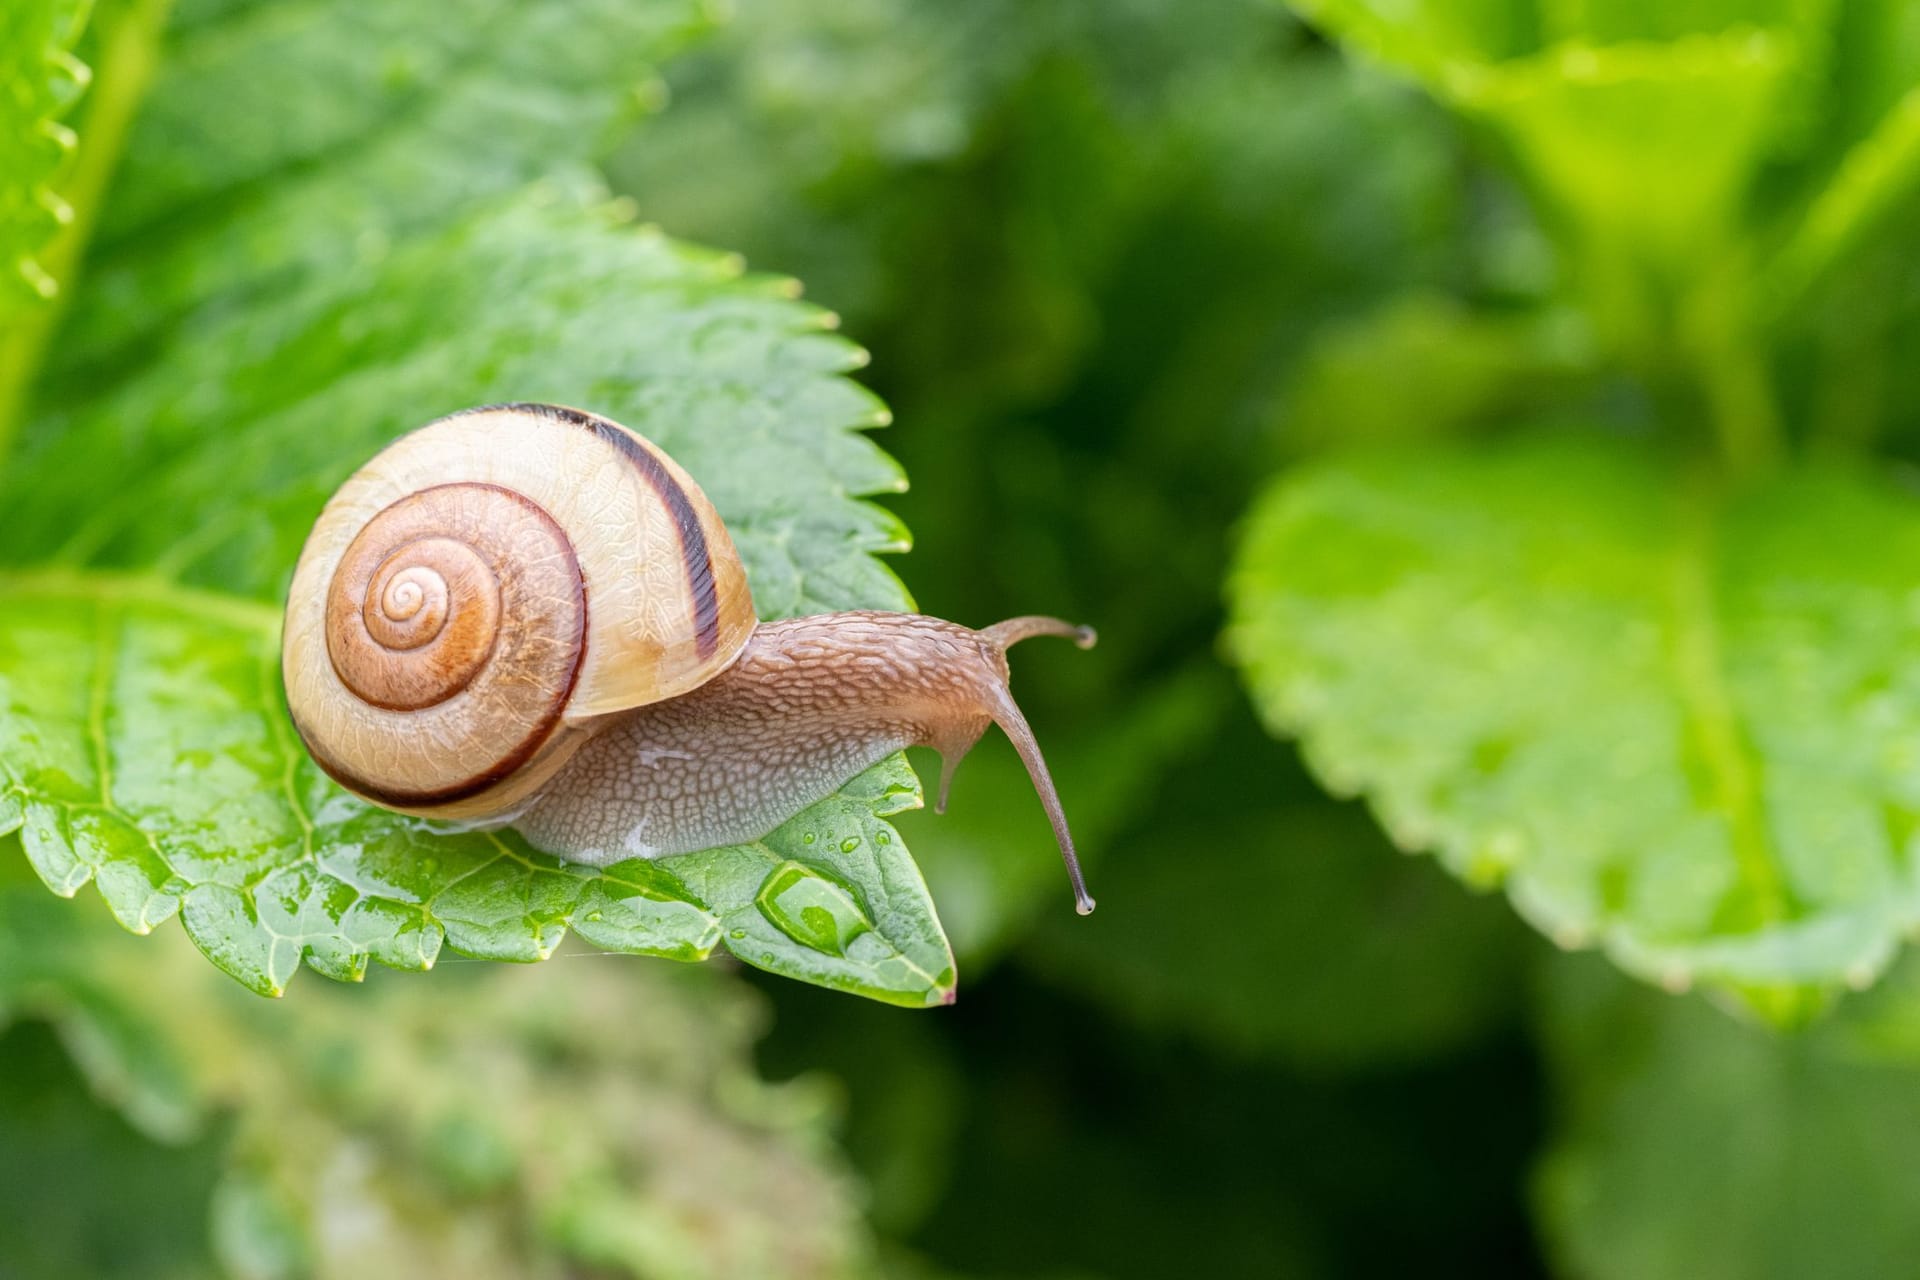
(1531, 375)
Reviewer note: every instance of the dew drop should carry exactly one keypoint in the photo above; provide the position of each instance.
(850, 844)
(811, 908)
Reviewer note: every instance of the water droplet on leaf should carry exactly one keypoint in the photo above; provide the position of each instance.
(811, 909)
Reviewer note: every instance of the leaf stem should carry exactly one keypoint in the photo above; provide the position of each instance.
(1740, 401)
(1730, 781)
(126, 64)
(1729, 361)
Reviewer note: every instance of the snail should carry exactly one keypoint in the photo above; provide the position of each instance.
(526, 615)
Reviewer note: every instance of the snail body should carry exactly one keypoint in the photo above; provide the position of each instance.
(527, 615)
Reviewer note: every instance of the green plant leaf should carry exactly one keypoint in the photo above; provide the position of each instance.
(726, 372)
(280, 141)
(1692, 1145)
(1643, 151)
(1674, 719)
(316, 1112)
(298, 298)
(305, 288)
(1638, 126)
(43, 79)
(145, 747)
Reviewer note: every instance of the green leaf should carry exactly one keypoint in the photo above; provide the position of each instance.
(832, 897)
(322, 297)
(302, 291)
(285, 140)
(1642, 151)
(1637, 126)
(689, 1165)
(42, 80)
(1673, 719)
(1691, 1145)
(145, 747)
(726, 372)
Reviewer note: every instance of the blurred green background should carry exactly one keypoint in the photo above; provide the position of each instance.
(1120, 264)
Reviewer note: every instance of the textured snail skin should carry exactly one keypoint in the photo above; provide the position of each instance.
(529, 615)
(809, 704)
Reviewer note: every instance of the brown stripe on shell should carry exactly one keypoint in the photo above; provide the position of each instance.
(695, 556)
(395, 798)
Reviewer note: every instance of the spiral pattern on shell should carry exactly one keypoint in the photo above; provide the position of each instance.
(412, 625)
(490, 590)
(461, 611)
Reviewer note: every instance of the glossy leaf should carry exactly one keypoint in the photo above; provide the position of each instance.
(285, 139)
(39, 81)
(729, 374)
(289, 279)
(146, 748)
(1672, 718)
(299, 297)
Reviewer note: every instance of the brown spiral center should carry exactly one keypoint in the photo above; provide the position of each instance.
(455, 623)
(411, 602)
(411, 625)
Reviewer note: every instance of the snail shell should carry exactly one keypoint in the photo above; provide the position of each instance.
(478, 598)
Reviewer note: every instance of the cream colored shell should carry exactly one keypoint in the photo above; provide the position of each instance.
(660, 606)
